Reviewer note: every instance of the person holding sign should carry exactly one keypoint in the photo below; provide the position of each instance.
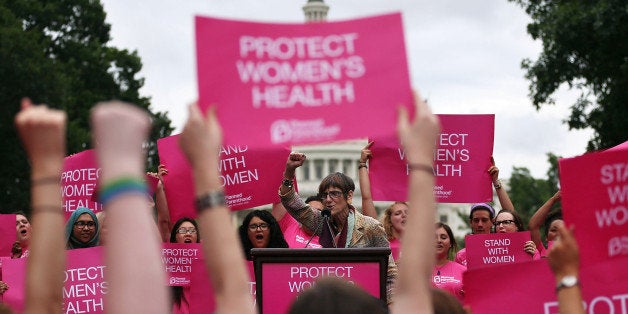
(260, 229)
(551, 221)
(23, 231)
(508, 221)
(394, 215)
(296, 235)
(347, 228)
(82, 229)
(185, 230)
(447, 274)
(481, 219)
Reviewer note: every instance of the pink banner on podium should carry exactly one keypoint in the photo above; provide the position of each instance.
(461, 162)
(178, 259)
(282, 282)
(201, 292)
(484, 250)
(78, 182)
(287, 84)
(526, 288)
(250, 176)
(7, 233)
(594, 195)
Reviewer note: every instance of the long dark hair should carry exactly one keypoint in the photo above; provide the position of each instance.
(177, 291)
(175, 227)
(276, 236)
(454, 246)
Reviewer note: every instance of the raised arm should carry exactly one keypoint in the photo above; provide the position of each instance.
(161, 203)
(200, 141)
(502, 195)
(135, 272)
(564, 261)
(42, 132)
(537, 220)
(418, 138)
(368, 207)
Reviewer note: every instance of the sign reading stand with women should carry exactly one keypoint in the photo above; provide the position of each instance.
(286, 84)
(249, 176)
(594, 192)
(461, 162)
(485, 250)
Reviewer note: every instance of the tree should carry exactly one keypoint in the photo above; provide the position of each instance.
(585, 45)
(57, 52)
(528, 193)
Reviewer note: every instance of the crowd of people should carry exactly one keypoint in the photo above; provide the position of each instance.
(424, 269)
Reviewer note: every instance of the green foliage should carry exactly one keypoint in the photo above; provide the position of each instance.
(585, 45)
(528, 193)
(57, 52)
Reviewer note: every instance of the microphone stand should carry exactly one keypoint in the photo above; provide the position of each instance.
(326, 215)
(320, 224)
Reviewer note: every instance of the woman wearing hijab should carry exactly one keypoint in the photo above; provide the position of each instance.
(81, 230)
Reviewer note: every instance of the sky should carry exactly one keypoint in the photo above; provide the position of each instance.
(464, 57)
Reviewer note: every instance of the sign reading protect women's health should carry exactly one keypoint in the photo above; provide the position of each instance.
(461, 162)
(178, 259)
(84, 288)
(286, 84)
(79, 182)
(594, 195)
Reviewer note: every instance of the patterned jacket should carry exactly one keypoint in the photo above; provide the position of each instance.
(367, 232)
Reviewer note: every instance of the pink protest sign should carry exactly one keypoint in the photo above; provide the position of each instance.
(84, 281)
(14, 275)
(594, 192)
(178, 258)
(461, 162)
(7, 232)
(85, 284)
(496, 248)
(282, 282)
(250, 176)
(530, 288)
(286, 84)
(201, 292)
(78, 182)
(622, 146)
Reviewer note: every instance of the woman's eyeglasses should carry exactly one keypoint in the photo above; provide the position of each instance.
(83, 224)
(254, 227)
(184, 231)
(332, 194)
(504, 222)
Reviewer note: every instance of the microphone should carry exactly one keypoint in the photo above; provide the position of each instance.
(326, 214)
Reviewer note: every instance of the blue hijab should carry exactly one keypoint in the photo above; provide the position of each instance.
(74, 243)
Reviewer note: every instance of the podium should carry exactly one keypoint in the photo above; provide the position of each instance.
(281, 274)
